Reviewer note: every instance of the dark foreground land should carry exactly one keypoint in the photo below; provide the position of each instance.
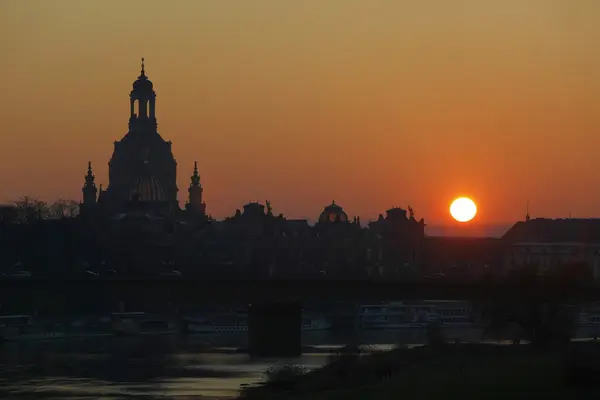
(461, 371)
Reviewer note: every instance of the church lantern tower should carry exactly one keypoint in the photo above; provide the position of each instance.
(142, 103)
(89, 188)
(195, 205)
(142, 168)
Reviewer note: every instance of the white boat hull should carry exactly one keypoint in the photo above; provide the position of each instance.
(210, 328)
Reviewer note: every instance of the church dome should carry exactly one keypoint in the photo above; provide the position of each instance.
(147, 188)
(333, 213)
(254, 209)
(142, 83)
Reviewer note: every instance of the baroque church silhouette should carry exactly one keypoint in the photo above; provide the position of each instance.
(142, 170)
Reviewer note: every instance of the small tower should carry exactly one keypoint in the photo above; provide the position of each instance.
(195, 205)
(89, 188)
(527, 217)
(142, 104)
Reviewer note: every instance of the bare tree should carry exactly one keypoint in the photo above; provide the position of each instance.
(58, 209)
(62, 208)
(72, 208)
(30, 209)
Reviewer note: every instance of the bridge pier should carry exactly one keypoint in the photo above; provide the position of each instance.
(275, 329)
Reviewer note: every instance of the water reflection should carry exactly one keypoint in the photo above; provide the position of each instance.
(112, 367)
(166, 367)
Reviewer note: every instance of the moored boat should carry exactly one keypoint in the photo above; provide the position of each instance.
(239, 323)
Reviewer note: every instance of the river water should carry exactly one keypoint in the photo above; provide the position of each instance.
(165, 367)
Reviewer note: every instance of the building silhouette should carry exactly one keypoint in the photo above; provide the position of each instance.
(142, 170)
(136, 226)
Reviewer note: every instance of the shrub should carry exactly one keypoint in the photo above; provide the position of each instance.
(284, 376)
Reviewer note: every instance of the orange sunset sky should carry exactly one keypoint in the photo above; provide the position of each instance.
(372, 103)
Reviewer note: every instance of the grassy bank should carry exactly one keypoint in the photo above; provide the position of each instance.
(468, 371)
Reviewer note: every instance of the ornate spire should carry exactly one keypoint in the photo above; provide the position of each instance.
(143, 69)
(195, 203)
(195, 176)
(89, 177)
(89, 187)
(527, 217)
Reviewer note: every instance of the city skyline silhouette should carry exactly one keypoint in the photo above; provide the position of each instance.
(298, 107)
(266, 198)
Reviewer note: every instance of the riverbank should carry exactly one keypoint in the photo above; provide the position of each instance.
(468, 371)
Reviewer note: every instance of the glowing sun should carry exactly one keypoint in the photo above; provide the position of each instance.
(463, 209)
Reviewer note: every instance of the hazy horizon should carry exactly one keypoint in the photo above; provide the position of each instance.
(372, 103)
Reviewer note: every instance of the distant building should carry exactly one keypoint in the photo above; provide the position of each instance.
(332, 214)
(547, 243)
(340, 244)
(462, 258)
(399, 242)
